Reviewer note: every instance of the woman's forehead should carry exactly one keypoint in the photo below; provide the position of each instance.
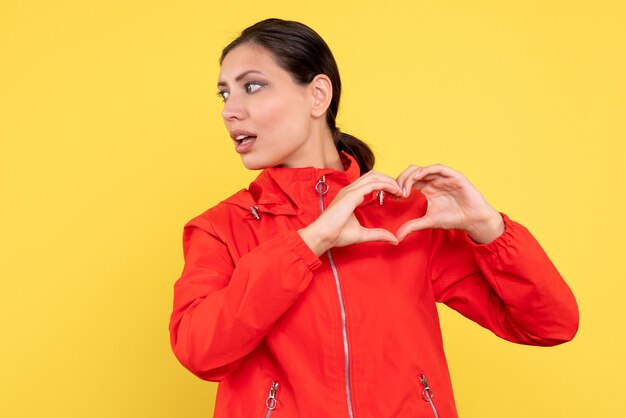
(247, 58)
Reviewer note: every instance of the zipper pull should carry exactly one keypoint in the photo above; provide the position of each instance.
(427, 393)
(322, 187)
(255, 212)
(381, 197)
(271, 401)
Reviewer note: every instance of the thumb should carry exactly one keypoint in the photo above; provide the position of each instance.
(378, 234)
(412, 226)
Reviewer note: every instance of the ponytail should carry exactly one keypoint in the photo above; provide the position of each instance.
(361, 152)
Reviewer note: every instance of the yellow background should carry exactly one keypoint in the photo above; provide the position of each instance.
(111, 139)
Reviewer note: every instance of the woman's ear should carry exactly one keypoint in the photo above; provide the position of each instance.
(322, 93)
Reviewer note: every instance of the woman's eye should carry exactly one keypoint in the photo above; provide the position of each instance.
(252, 87)
(223, 94)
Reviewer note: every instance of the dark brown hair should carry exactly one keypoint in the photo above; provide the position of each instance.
(301, 52)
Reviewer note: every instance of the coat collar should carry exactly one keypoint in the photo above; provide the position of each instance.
(291, 191)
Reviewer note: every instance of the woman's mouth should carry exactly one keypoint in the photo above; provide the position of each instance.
(243, 143)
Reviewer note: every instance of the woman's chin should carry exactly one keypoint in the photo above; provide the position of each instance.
(253, 163)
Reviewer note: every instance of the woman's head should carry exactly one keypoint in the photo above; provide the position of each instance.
(304, 55)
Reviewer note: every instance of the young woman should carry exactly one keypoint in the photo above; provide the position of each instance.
(312, 293)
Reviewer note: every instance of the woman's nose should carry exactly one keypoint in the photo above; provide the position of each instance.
(233, 109)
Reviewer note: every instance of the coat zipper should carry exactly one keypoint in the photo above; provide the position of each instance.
(322, 188)
(427, 394)
(271, 401)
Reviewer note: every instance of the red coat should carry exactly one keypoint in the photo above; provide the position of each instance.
(357, 336)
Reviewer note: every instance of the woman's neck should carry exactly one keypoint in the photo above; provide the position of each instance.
(321, 153)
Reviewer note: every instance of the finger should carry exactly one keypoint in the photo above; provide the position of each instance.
(411, 179)
(413, 225)
(375, 183)
(422, 177)
(369, 177)
(419, 185)
(407, 173)
(438, 169)
(374, 174)
(394, 187)
(353, 195)
(434, 179)
(378, 234)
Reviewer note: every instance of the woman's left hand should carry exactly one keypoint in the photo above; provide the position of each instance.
(453, 203)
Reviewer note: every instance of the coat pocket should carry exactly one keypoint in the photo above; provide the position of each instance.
(427, 394)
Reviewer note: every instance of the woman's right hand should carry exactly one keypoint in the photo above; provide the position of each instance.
(337, 226)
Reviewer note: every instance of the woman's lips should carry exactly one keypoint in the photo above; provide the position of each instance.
(244, 143)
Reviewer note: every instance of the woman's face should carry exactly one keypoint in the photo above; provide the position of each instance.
(266, 113)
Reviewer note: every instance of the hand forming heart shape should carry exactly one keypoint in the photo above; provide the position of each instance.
(453, 203)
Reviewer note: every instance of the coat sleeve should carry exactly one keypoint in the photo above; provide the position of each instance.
(508, 286)
(222, 309)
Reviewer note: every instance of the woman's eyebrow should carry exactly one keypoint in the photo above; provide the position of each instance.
(239, 77)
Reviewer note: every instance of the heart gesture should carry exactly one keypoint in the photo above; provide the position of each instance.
(453, 203)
